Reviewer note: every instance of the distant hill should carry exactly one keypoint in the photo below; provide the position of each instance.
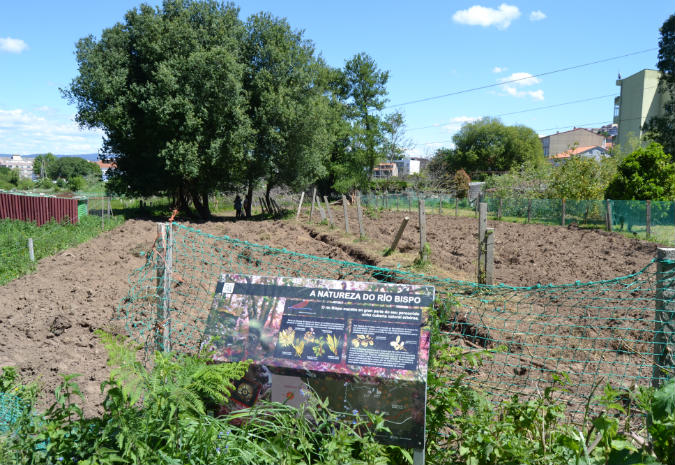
(86, 156)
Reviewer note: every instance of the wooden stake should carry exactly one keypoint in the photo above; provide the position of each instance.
(31, 253)
(321, 211)
(397, 238)
(562, 216)
(302, 197)
(359, 214)
(529, 210)
(648, 219)
(330, 212)
(608, 203)
(664, 327)
(164, 268)
(423, 230)
(489, 256)
(440, 211)
(409, 203)
(311, 210)
(456, 207)
(346, 213)
(499, 209)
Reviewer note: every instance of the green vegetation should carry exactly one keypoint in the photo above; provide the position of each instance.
(646, 174)
(10, 179)
(489, 145)
(192, 100)
(159, 415)
(48, 239)
(660, 128)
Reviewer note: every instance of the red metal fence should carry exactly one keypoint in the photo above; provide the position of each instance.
(38, 209)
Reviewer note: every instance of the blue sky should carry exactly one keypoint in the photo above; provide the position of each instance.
(430, 48)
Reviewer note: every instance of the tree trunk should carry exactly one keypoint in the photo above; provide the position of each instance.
(249, 199)
(201, 203)
(268, 189)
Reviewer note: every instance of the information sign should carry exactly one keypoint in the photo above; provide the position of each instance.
(364, 346)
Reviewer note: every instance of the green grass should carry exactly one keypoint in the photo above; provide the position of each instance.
(48, 239)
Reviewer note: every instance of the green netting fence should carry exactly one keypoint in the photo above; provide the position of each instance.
(610, 331)
(637, 218)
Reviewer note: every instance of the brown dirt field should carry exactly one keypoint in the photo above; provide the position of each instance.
(47, 318)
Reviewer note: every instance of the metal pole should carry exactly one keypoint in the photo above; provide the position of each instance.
(664, 327)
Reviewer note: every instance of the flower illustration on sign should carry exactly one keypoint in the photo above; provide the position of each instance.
(363, 340)
(398, 343)
(286, 337)
(333, 343)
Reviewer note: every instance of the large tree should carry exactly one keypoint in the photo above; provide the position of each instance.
(361, 90)
(662, 128)
(489, 145)
(70, 167)
(165, 87)
(289, 112)
(41, 164)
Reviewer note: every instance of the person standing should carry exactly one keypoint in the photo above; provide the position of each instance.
(237, 207)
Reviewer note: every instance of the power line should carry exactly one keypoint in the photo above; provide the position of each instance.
(589, 99)
(488, 86)
(577, 125)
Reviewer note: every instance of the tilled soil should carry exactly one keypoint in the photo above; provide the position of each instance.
(47, 318)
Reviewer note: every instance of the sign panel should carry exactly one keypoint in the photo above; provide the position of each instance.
(364, 346)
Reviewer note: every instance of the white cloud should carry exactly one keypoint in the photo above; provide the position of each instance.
(514, 92)
(10, 45)
(483, 16)
(537, 15)
(27, 133)
(521, 79)
(514, 83)
(498, 69)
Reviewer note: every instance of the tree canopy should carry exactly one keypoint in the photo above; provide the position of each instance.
(191, 100)
(165, 86)
(646, 174)
(489, 145)
(662, 128)
(71, 167)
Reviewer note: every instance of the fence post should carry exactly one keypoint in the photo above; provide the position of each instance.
(344, 209)
(302, 197)
(164, 265)
(424, 256)
(31, 253)
(562, 215)
(440, 211)
(499, 209)
(359, 215)
(397, 238)
(320, 207)
(489, 256)
(482, 227)
(648, 219)
(329, 211)
(529, 210)
(608, 204)
(456, 207)
(109, 208)
(311, 210)
(664, 327)
(409, 203)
